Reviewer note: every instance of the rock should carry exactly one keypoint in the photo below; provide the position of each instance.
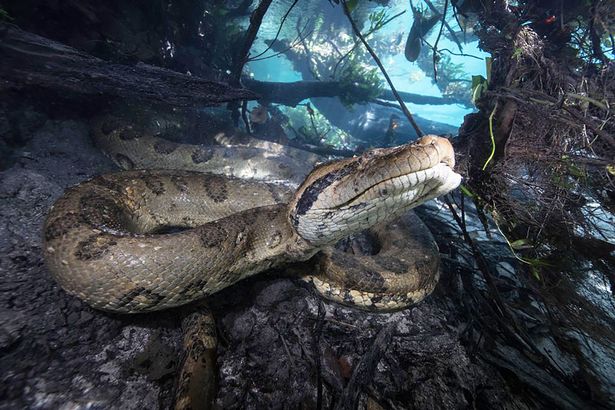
(274, 293)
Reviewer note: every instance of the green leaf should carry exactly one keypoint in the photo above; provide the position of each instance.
(466, 191)
(352, 4)
(479, 85)
(517, 53)
(4, 15)
(521, 244)
(535, 272)
(488, 61)
(576, 171)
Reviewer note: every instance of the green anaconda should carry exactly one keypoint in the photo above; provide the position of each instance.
(145, 240)
(108, 240)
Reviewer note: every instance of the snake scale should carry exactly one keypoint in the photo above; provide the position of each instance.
(146, 240)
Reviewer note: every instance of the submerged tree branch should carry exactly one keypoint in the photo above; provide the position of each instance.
(278, 32)
(448, 27)
(370, 32)
(382, 69)
(435, 46)
(293, 93)
(242, 56)
(29, 60)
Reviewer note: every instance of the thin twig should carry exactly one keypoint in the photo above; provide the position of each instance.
(320, 321)
(308, 54)
(276, 34)
(244, 116)
(403, 107)
(366, 35)
(242, 56)
(300, 37)
(448, 27)
(461, 54)
(435, 46)
(384, 103)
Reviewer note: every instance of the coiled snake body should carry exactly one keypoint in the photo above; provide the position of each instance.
(145, 240)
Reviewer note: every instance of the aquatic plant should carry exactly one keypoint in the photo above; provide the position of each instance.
(4, 15)
(453, 80)
(308, 125)
(545, 136)
(359, 83)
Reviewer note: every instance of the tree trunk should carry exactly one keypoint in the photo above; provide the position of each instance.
(31, 60)
(293, 93)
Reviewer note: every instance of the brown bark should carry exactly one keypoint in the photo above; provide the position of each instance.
(242, 56)
(293, 93)
(29, 60)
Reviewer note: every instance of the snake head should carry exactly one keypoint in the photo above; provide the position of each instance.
(343, 197)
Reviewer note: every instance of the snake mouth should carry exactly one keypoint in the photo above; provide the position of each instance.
(381, 202)
(349, 196)
(417, 184)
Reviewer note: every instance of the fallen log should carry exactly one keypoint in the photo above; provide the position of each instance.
(29, 60)
(293, 93)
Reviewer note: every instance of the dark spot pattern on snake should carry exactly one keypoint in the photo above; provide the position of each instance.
(128, 134)
(194, 288)
(201, 154)
(123, 161)
(94, 247)
(62, 226)
(154, 184)
(377, 298)
(197, 349)
(180, 183)
(140, 295)
(107, 183)
(165, 147)
(212, 234)
(271, 214)
(216, 188)
(359, 276)
(391, 264)
(101, 211)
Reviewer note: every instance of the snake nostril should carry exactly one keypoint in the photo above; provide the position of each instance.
(384, 192)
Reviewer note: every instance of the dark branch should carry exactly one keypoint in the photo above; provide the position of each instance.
(386, 75)
(435, 46)
(293, 93)
(29, 60)
(278, 32)
(448, 27)
(342, 58)
(242, 56)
